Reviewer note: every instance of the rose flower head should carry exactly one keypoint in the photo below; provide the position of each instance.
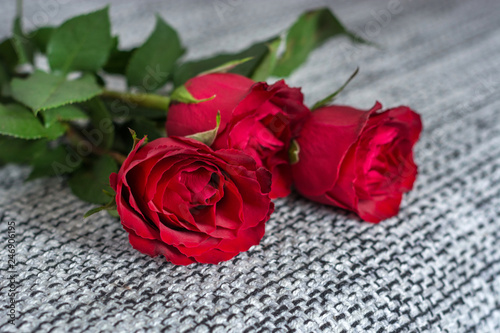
(179, 198)
(357, 160)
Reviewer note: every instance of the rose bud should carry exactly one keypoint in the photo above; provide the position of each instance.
(177, 197)
(357, 160)
(257, 118)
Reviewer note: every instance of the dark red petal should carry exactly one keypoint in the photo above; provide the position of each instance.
(181, 237)
(324, 141)
(131, 219)
(214, 256)
(200, 248)
(155, 247)
(379, 208)
(245, 239)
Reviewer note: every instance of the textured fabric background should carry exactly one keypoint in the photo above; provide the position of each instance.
(435, 267)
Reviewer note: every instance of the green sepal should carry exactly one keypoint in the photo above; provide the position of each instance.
(207, 137)
(330, 98)
(182, 95)
(111, 205)
(293, 152)
(224, 68)
(135, 139)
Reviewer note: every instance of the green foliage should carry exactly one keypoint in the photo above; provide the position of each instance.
(67, 100)
(41, 37)
(91, 179)
(118, 59)
(63, 113)
(42, 90)
(14, 150)
(81, 44)
(145, 127)
(4, 82)
(152, 64)
(266, 66)
(22, 45)
(308, 32)
(190, 69)
(19, 122)
(47, 163)
(102, 122)
(8, 55)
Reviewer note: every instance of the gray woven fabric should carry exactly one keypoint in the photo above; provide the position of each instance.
(435, 267)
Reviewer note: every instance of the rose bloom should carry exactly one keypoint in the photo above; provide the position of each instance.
(258, 118)
(357, 160)
(179, 198)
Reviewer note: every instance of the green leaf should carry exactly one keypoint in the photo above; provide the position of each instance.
(14, 150)
(20, 122)
(102, 122)
(308, 32)
(207, 137)
(88, 182)
(22, 45)
(47, 162)
(122, 110)
(193, 68)
(293, 152)
(182, 95)
(43, 91)
(328, 99)
(8, 55)
(41, 37)
(268, 63)
(224, 68)
(82, 43)
(63, 113)
(4, 82)
(151, 64)
(118, 59)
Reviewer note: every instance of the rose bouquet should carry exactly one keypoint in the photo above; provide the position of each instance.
(190, 156)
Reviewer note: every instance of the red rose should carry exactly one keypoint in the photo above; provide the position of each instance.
(257, 118)
(357, 160)
(179, 198)
(263, 125)
(229, 89)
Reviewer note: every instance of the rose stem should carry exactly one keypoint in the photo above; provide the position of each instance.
(75, 138)
(146, 100)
